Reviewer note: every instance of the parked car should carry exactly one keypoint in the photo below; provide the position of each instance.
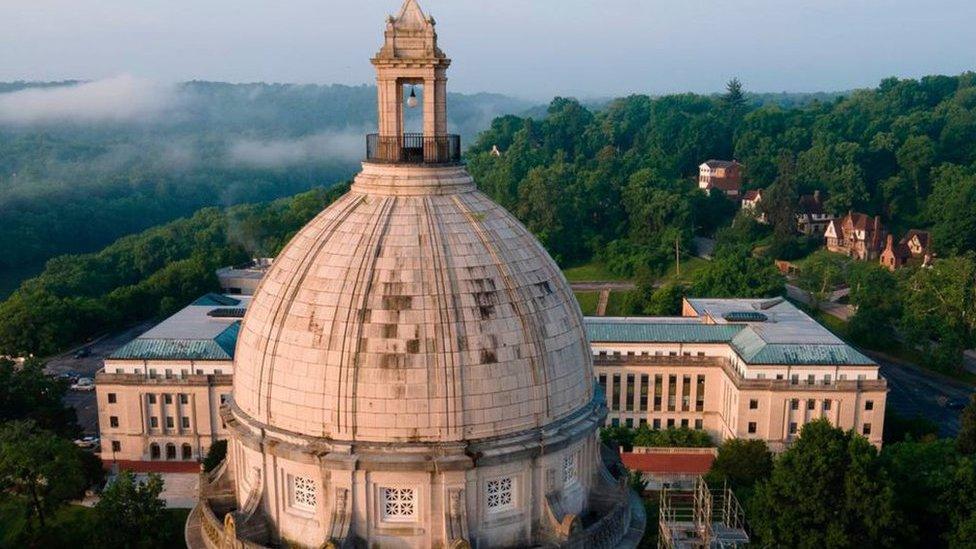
(84, 384)
(87, 443)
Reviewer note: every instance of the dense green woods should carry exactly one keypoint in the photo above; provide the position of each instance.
(71, 186)
(146, 275)
(619, 184)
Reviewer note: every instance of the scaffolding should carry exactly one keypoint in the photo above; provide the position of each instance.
(701, 518)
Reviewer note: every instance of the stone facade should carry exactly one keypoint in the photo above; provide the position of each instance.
(413, 370)
(706, 383)
(856, 235)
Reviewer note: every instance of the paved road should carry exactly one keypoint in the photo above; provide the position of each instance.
(914, 392)
(839, 310)
(597, 286)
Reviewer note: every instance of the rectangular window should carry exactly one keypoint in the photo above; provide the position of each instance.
(811, 404)
(630, 392)
(699, 424)
(603, 384)
(303, 495)
(684, 423)
(154, 422)
(111, 398)
(499, 494)
(826, 379)
(399, 504)
(700, 394)
(184, 398)
(185, 422)
(615, 422)
(152, 398)
(169, 373)
(752, 427)
(658, 389)
(685, 393)
(644, 379)
(116, 446)
(168, 398)
(753, 404)
(629, 422)
(826, 404)
(792, 427)
(657, 424)
(672, 390)
(113, 421)
(795, 379)
(869, 405)
(811, 379)
(569, 469)
(795, 404)
(866, 429)
(670, 423)
(643, 421)
(169, 422)
(615, 389)
(152, 373)
(120, 371)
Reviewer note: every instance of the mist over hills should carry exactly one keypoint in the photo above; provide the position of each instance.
(83, 163)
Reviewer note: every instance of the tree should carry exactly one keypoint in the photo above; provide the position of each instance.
(966, 440)
(742, 462)
(734, 99)
(40, 468)
(822, 272)
(216, 455)
(129, 513)
(826, 490)
(952, 209)
(26, 392)
(940, 309)
(780, 199)
(737, 273)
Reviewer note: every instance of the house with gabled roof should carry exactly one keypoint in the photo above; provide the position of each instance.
(724, 175)
(856, 235)
(915, 245)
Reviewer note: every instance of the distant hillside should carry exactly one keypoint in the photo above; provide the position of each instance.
(82, 164)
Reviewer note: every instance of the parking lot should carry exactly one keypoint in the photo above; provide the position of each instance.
(87, 366)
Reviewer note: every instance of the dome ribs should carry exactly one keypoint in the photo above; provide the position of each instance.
(454, 421)
(283, 308)
(531, 331)
(349, 363)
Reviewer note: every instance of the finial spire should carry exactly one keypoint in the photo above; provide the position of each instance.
(411, 16)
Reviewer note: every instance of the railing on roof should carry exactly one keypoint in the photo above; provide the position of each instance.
(413, 148)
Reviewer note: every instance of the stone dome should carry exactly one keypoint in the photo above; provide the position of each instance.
(413, 309)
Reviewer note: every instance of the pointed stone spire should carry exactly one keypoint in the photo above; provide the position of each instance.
(411, 17)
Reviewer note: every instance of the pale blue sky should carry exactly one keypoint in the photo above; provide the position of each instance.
(531, 48)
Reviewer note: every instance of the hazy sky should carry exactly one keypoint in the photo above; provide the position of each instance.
(531, 48)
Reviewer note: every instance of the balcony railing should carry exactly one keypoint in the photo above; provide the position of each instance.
(413, 148)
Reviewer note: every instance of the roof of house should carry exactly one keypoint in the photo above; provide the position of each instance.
(752, 194)
(810, 204)
(681, 463)
(924, 238)
(657, 330)
(720, 163)
(199, 331)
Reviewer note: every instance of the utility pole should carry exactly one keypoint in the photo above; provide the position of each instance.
(677, 256)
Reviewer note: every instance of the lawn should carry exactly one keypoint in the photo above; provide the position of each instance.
(689, 267)
(591, 272)
(587, 302)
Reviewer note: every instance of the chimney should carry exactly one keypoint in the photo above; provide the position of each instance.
(890, 243)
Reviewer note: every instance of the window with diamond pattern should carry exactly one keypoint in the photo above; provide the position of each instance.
(569, 469)
(399, 504)
(500, 494)
(303, 492)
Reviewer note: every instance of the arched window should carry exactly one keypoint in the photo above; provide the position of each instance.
(170, 450)
(187, 452)
(153, 451)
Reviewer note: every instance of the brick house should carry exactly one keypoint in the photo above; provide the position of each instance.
(856, 235)
(915, 244)
(725, 175)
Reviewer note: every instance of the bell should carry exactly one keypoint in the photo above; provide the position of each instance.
(412, 100)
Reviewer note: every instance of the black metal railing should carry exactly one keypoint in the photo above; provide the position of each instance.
(413, 148)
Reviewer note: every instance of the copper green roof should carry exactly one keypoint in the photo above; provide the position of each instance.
(647, 330)
(220, 347)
